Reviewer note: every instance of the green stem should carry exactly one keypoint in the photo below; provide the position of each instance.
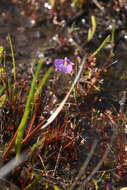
(13, 61)
(27, 110)
(42, 83)
(103, 44)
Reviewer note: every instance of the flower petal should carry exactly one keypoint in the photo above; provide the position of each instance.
(61, 66)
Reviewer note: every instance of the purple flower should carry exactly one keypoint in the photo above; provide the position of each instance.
(64, 65)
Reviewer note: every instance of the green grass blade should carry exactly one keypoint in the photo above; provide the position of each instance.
(1, 53)
(27, 110)
(103, 44)
(3, 85)
(92, 30)
(42, 83)
(13, 61)
(113, 40)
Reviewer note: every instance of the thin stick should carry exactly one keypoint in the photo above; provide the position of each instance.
(31, 124)
(83, 168)
(10, 145)
(98, 5)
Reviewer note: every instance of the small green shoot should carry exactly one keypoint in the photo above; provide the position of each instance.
(73, 28)
(2, 87)
(56, 187)
(2, 100)
(1, 53)
(92, 30)
(103, 44)
(113, 40)
(96, 181)
(78, 3)
(95, 184)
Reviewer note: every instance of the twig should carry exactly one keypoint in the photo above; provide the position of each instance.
(31, 125)
(98, 5)
(9, 147)
(83, 168)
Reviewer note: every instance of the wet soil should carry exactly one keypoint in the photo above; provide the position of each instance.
(35, 33)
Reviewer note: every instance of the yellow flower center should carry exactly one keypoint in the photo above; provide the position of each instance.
(65, 63)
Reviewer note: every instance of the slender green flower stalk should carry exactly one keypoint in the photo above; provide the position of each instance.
(13, 62)
(42, 83)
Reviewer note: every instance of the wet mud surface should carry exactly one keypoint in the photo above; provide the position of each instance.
(34, 33)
